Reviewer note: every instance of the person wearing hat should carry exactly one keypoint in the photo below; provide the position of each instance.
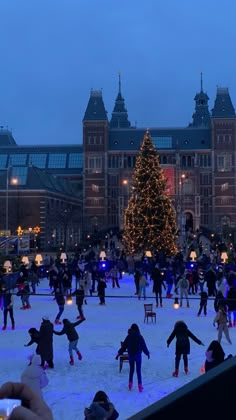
(45, 347)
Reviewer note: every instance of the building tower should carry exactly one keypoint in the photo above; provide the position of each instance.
(95, 144)
(201, 116)
(223, 163)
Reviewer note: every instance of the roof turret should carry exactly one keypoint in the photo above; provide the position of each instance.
(6, 137)
(95, 110)
(119, 118)
(223, 107)
(201, 116)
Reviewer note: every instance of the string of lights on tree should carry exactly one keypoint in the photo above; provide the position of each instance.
(149, 220)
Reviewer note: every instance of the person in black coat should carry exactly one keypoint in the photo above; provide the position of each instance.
(79, 294)
(214, 355)
(182, 334)
(158, 282)
(7, 299)
(203, 303)
(34, 338)
(72, 335)
(101, 289)
(135, 344)
(45, 348)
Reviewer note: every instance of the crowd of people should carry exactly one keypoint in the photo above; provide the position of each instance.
(171, 277)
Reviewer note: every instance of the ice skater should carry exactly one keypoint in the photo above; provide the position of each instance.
(221, 320)
(182, 334)
(73, 337)
(7, 299)
(135, 345)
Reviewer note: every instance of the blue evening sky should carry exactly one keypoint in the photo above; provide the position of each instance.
(54, 51)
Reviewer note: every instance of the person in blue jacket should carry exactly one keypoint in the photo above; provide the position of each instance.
(135, 344)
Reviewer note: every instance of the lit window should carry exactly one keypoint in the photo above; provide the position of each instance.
(162, 142)
(95, 188)
(225, 186)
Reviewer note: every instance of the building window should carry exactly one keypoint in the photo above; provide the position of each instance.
(205, 161)
(162, 142)
(18, 159)
(57, 160)
(95, 164)
(187, 187)
(225, 186)
(38, 160)
(75, 160)
(224, 162)
(95, 188)
(19, 173)
(3, 161)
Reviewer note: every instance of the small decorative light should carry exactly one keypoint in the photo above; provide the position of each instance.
(63, 257)
(7, 266)
(176, 303)
(25, 260)
(69, 300)
(102, 255)
(224, 257)
(193, 255)
(38, 259)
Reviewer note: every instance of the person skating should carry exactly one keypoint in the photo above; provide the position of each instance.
(24, 293)
(34, 338)
(79, 294)
(158, 282)
(183, 285)
(221, 319)
(60, 299)
(135, 344)
(46, 342)
(182, 335)
(203, 303)
(101, 288)
(73, 337)
(7, 299)
(114, 274)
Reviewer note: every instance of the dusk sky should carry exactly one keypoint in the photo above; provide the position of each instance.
(54, 51)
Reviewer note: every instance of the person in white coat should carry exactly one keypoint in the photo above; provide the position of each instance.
(34, 376)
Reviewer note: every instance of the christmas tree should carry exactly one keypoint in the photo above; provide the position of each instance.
(149, 220)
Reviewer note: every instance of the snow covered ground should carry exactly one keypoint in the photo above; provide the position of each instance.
(71, 388)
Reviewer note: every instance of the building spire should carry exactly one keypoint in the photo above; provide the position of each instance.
(119, 117)
(201, 82)
(119, 83)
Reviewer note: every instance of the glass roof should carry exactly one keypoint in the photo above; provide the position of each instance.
(18, 175)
